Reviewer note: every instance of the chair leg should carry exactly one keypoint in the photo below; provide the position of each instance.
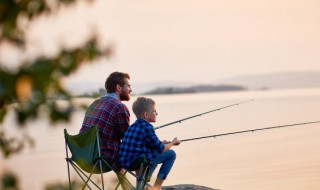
(78, 171)
(141, 179)
(146, 176)
(119, 181)
(101, 173)
(86, 183)
(67, 160)
(70, 187)
(124, 182)
(117, 186)
(89, 178)
(121, 177)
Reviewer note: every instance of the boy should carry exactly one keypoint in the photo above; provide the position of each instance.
(140, 139)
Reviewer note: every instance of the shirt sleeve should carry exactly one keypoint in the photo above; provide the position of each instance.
(123, 117)
(152, 139)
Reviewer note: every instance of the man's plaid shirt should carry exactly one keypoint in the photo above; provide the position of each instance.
(113, 119)
(139, 139)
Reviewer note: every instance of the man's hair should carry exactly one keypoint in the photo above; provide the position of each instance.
(142, 105)
(114, 79)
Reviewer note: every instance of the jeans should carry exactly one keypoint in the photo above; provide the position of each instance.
(167, 159)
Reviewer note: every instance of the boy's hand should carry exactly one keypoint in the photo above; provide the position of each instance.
(165, 142)
(176, 141)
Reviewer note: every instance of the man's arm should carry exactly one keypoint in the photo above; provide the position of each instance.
(123, 122)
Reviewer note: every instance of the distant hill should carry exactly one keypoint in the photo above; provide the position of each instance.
(276, 80)
(249, 82)
(194, 89)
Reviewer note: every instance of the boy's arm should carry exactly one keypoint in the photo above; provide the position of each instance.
(168, 145)
(152, 139)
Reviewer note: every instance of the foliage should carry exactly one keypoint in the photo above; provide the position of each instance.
(36, 84)
(9, 181)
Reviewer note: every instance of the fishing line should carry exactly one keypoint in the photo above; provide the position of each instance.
(247, 131)
(197, 115)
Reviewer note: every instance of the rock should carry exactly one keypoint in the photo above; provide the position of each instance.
(186, 187)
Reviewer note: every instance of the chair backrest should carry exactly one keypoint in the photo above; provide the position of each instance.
(85, 150)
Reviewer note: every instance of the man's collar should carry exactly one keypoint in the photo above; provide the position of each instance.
(113, 95)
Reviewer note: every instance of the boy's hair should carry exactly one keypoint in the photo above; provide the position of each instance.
(142, 105)
(114, 79)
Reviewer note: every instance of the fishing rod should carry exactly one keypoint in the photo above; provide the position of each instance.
(197, 115)
(247, 131)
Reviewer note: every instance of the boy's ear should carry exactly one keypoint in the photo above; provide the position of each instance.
(145, 115)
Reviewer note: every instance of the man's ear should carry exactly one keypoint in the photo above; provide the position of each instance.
(118, 87)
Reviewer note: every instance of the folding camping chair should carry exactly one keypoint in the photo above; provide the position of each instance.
(86, 160)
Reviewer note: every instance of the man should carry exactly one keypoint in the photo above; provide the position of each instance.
(110, 115)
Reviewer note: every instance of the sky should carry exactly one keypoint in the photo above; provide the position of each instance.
(187, 41)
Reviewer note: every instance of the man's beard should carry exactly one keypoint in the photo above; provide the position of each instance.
(124, 96)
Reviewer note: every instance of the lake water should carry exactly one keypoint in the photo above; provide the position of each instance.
(279, 159)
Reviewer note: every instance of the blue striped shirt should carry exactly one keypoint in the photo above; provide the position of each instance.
(139, 139)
